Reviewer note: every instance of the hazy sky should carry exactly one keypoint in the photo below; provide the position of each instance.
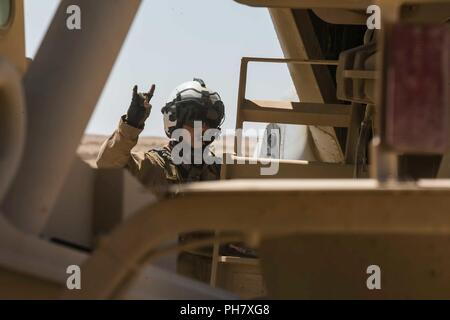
(173, 41)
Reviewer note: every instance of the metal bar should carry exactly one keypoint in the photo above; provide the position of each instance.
(241, 98)
(12, 37)
(444, 167)
(62, 87)
(309, 4)
(265, 207)
(333, 115)
(360, 74)
(12, 123)
(250, 168)
(240, 117)
(293, 61)
(215, 261)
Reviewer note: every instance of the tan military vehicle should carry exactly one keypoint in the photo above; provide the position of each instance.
(359, 205)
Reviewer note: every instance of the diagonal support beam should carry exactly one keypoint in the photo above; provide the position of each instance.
(313, 83)
(62, 88)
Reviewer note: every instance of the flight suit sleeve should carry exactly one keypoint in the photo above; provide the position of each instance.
(116, 153)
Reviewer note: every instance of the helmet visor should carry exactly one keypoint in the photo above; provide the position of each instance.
(212, 114)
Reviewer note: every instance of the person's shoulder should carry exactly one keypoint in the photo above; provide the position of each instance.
(162, 157)
(160, 152)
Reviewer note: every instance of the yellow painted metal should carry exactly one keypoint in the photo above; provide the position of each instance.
(335, 115)
(305, 4)
(249, 168)
(12, 37)
(359, 207)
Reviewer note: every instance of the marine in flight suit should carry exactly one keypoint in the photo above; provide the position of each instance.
(191, 101)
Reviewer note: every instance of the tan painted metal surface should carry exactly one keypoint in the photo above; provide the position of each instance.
(84, 63)
(305, 4)
(248, 168)
(358, 207)
(363, 213)
(336, 115)
(12, 123)
(12, 37)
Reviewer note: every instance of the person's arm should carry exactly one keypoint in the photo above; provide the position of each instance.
(116, 150)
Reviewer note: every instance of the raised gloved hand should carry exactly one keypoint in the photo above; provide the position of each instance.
(140, 108)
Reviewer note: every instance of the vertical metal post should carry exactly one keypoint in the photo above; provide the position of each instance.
(240, 102)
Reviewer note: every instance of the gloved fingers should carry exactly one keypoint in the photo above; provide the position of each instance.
(135, 98)
(149, 94)
(148, 109)
(147, 105)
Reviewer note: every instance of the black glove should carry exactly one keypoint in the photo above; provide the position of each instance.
(140, 108)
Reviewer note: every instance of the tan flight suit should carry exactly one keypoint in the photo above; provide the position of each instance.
(154, 169)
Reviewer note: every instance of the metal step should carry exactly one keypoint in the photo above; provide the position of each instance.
(319, 114)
